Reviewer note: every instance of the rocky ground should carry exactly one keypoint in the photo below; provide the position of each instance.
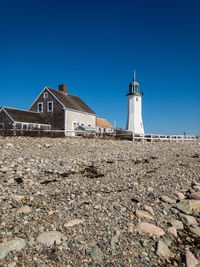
(88, 202)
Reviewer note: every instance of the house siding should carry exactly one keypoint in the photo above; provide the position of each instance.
(57, 117)
(5, 119)
(79, 117)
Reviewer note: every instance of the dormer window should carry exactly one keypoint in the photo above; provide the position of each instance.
(50, 106)
(45, 95)
(40, 107)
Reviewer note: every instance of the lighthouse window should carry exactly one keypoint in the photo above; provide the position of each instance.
(136, 98)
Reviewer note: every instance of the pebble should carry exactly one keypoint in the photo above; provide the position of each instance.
(195, 230)
(149, 209)
(163, 251)
(196, 195)
(188, 219)
(180, 195)
(143, 214)
(96, 255)
(73, 222)
(50, 237)
(172, 231)
(168, 200)
(24, 210)
(12, 245)
(188, 206)
(178, 225)
(191, 261)
(149, 229)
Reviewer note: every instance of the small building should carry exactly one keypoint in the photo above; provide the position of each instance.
(63, 111)
(17, 119)
(103, 126)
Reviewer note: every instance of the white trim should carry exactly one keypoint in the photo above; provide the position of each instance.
(7, 114)
(45, 95)
(40, 103)
(65, 120)
(19, 109)
(38, 97)
(48, 106)
(46, 88)
(32, 123)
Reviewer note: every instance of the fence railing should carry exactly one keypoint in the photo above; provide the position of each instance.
(115, 135)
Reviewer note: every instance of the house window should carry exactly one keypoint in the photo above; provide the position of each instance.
(136, 98)
(40, 107)
(25, 126)
(82, 124)
(45, 95)
(36, 126)
(50, 106)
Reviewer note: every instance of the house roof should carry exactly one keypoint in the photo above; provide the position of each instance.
(25, 116)
(103, 123)
(71, 101)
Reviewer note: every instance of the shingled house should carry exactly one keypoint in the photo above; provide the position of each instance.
(11, 118)
(103, 126)
(52, 109)
(63, 111)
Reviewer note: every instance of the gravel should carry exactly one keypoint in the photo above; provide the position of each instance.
(80, 202)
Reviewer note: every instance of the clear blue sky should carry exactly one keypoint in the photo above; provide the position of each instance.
(93, 47)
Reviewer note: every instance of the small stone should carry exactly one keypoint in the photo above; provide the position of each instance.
(18, 197)
(196, 195)
(180, 195)
(73, 222)
(130, 228)
(177, 224)
(195, 230)
(149, 209)
(24, 210)
(196, 187)
(188, 219)
(47, 145)
(50, 237)
(12, 245)
(96, 255)
(4, 169)
(172, 231)
(168, 200)
(149, 229)
(188, 206)
(163, 251)
(143, 214)
(9, 145)
(191, 261)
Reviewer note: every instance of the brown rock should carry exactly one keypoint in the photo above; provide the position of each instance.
(195, 230)
(149, 209)
(180, 195)
(196, 195)
(143, 214)
(149, 228)
(172, 231)
(73, 222)
(24, 210)
(168, 200)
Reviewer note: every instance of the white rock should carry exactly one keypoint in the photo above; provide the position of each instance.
(12, 245)
(177, 224)
(180, 195)
(50, 237)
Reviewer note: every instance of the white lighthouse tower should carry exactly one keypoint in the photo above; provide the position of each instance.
(134, 120)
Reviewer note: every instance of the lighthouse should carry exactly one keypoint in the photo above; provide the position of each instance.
(134, 120)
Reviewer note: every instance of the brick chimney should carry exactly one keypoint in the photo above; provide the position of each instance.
(62, 88)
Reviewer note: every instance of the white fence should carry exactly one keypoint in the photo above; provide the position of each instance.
(161, 137)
